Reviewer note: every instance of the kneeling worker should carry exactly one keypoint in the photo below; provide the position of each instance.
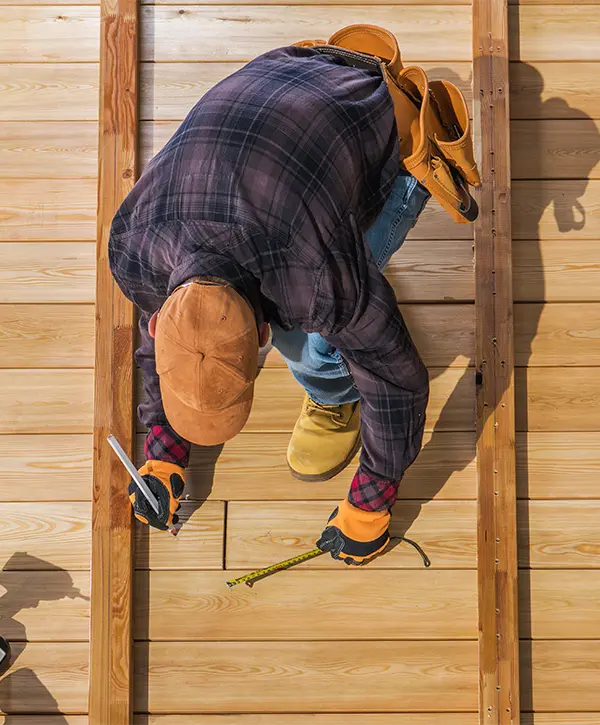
(274, 209)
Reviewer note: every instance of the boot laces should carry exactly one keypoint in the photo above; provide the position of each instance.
(335, 412)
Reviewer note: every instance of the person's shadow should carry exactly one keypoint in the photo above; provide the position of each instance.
(19, 596)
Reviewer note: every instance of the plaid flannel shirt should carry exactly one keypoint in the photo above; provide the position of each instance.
(269, 183)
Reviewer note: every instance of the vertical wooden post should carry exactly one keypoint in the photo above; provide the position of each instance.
(497, 530)
(110, 701)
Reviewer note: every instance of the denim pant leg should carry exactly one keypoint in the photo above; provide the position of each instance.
(315, 364)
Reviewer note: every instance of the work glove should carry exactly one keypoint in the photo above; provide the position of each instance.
(354, 535)
(166, 481)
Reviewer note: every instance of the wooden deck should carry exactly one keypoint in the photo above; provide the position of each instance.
(321, 645)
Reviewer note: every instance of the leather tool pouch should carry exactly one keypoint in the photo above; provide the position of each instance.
(436, 144)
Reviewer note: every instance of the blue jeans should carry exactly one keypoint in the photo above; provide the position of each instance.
(315, 364)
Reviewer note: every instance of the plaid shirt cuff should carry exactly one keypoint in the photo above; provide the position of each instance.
(372, 494)
(163, 444)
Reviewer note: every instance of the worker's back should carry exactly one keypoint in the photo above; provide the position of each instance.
(286, 146)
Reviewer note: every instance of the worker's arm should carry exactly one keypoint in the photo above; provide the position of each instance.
(166, 452)
(369, 332)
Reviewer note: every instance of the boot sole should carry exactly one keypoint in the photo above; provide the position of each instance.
(320, 477)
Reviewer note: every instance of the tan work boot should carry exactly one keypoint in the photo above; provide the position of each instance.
(325, 440)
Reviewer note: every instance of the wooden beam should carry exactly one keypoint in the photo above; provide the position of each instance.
(110, 696)
(496, 527)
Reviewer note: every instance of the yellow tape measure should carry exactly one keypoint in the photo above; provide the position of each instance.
(249, 579)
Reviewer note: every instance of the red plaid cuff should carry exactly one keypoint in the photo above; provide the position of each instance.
(372, 494)
(163, 444)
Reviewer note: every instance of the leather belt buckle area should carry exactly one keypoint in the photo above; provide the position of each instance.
(352, 58)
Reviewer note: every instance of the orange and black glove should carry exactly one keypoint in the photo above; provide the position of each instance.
(354, 535)
(166, 481)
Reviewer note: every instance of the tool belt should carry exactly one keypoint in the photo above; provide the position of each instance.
(436, 145)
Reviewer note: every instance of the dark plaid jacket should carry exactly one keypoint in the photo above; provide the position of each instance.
(269, 184)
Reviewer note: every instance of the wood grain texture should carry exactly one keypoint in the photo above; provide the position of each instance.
(558, 465)
(261, 533)
(46, 336)
(450, 401)
(237, 33)
(54, 34)
(553, 90)
(42, 684)
(45, 535)
(55, 467)
(44, 720)
(559, 534)
(554, 664)
(558, 399)
(199, 544)
(52, 150)
(49, 606)
(47, 272)
(46, 401)
(446, 718)
(110, 692)
(551, 209)
(557, 270)
(568, 149)
(433, 271)
(317, 606)
(557, 334)
(559, 604)
(254, 467)
(494, 359)
(169, 91)
(281, 676)
(49, 92)
(554, 32)
(47, 209)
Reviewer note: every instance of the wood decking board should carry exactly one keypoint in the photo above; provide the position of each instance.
(45, 535)
(554, 32)
(52, 34)
(551, 90)
(498, 685)
(557, 334)
(551, 209)
(48, 92)
(52, 150)
(41, 683)
(47, 272)
(557, 149)
(558, 399)
(433, 271)
(46, 401)
(561, 676)
(47, 209)
(238, 33)
(312, 719)
(283, 676)
(317, 604)
(252, 467)
(559, 604)
(46, 336)
(49, 606)
(170, 90)
(55, 467)
(199, 544)
(559, 534)
(556, 270)
(265, 532)
(558, 465)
